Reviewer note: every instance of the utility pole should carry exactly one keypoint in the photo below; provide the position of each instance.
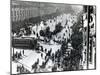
(88, 31)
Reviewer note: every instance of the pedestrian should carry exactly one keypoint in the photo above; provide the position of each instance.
(45, 57)
(22, 68)
(23, 52)
(20, 54)
(17, 68)
(17, 54)
(45, 50)
(53, 57)
(38, 61)
(42, 55)
(42, 48)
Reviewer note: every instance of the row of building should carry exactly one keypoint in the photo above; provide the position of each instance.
(21, 10)
(89, 38)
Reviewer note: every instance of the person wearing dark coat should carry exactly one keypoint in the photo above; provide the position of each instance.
(23, 52)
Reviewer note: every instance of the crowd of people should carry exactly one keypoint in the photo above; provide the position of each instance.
(57, 28)
(55, 31)
(22, 69)
(18, 55)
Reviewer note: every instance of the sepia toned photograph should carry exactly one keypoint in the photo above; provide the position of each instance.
(52, 37)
